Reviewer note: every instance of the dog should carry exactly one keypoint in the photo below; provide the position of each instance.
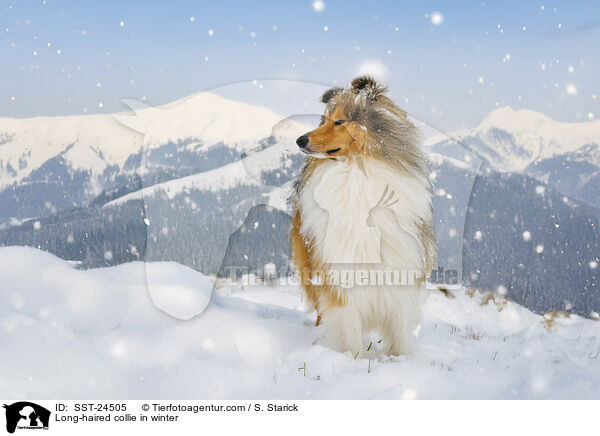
(362, 203)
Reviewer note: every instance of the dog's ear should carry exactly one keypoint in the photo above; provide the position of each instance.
(369, 86)
(329, 94)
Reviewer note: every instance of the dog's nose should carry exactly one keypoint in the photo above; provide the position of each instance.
(302, 141)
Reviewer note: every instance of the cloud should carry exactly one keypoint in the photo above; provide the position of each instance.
(373, 67)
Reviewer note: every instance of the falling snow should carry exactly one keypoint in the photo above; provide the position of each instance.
(436, 18)
(318, 5)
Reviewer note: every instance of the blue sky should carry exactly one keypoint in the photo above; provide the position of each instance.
(71, 57)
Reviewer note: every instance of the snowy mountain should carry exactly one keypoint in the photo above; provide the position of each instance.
(97, 334)
(48, 164)
(510, 140)
(564, 155)
(95, 142)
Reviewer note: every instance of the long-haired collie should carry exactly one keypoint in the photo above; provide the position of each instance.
(361, 236)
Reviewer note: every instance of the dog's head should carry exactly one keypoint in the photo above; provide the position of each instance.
(355, 121)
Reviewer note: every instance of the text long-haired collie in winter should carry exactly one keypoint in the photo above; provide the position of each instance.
(362, 236)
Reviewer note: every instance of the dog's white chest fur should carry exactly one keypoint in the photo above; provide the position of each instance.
(341, 213)
(338, 212)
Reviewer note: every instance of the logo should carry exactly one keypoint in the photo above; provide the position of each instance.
(26, 415)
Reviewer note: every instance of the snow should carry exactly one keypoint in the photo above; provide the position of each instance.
(246, 172)
(228, 176)
(436, 18)
(96, 334)
(318, 6)
(278, 197)
(536, 136)
(373, 67)
(94, 142)
(440, 159)
(571, 89)
(182, 298)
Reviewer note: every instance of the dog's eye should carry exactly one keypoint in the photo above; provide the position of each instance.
(338, 122)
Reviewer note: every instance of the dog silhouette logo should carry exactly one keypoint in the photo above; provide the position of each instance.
(26, 415)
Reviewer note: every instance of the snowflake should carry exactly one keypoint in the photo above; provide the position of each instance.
(318, 5)
(436, 18)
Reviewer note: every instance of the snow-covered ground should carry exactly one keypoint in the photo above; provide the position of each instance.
(67, 333)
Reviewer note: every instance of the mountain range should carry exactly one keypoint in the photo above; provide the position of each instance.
(566, 156)
(203, 182)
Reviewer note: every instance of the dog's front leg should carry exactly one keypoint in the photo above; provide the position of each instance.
(343, 330)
